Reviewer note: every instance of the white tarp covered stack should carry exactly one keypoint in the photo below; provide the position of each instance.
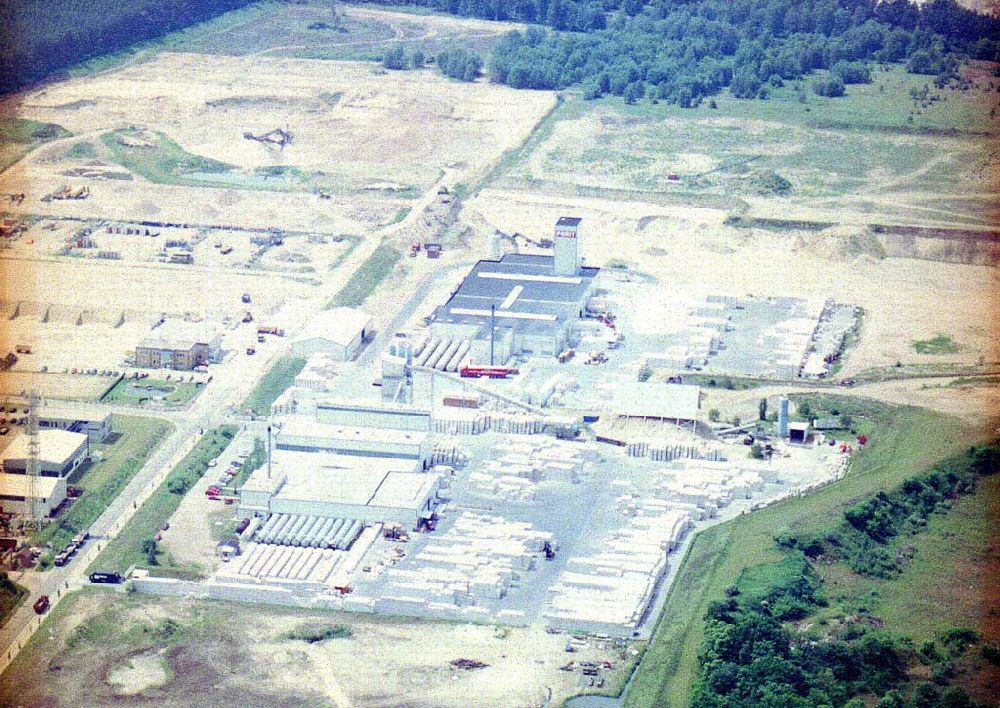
(474, 562)
(519, 463)
(610, 591)
(708, 484)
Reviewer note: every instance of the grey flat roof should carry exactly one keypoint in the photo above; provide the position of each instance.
(524, 290)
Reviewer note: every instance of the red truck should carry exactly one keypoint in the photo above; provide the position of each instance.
(488, 372)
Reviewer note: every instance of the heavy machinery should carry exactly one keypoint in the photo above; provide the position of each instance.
(279, 137)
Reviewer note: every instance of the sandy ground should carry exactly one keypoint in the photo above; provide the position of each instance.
(237, 654)
(206, 107)
(904, 299)
(977, 405)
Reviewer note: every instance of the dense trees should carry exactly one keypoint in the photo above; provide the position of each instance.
(459, 64)
(38, 37)
(684, 50)
(752, 656)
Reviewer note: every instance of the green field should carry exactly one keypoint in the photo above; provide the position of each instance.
(953, 555)
(168, 394)
(127, 547)
(273, 384)
(102, 480)
(892, 156)
(368, 277)
(903, 442)
(941, 344)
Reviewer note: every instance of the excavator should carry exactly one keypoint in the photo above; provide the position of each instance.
(279, 137)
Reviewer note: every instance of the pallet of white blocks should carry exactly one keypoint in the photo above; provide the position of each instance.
(665, 452)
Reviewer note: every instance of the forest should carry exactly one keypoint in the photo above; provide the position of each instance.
(762, 647)
(684, 50)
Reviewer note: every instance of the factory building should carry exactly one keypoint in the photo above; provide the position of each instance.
(93, 423)
(522, 303)
(60, 453)
(180, 345)
(333, 486)
(339, 332)
(18, 496)
(305, 434)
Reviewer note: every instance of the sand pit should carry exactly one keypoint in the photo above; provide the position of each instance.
(138, 673)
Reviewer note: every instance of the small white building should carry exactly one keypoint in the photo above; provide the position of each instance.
(18, 495)
(92, 422)
(60, 452)
(339, 332)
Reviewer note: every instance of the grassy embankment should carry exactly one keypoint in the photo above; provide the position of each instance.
(278, 378)
(368, 277)
(11, 595)
(19, 136)
(127, 547)
(904, 441)
(177, 394)
(102, 480)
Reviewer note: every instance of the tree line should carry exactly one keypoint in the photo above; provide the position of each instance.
(39, 37)
(684, 50)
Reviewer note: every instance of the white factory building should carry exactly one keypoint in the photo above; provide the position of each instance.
(339, 332)
(19, 494)
(60, 452)
(521, 303)
(306, 434)
(333, 486)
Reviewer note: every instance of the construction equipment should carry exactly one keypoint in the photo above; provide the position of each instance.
(247, 318)
(279, 137)
(67, 193)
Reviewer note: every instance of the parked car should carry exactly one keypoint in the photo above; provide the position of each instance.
(212, 490)
(42, 604)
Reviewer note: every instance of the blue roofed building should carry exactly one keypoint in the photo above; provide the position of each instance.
(521, 303)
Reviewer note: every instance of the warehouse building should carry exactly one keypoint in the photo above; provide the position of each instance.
(522, 303)
(306, 434)
(93, 423)
(335, 486)
(60, 453)
(339, 332)
(20, 497)
(180, 345)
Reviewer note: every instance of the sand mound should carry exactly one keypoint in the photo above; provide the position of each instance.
(842, 243)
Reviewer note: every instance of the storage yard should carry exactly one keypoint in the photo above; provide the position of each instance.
(522, 394)
(478, 491)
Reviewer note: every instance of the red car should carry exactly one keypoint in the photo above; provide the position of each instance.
(212, 491)
(42, 604)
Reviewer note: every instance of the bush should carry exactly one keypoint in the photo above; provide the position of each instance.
(312, 635)
(394, 58)
(831, 87)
